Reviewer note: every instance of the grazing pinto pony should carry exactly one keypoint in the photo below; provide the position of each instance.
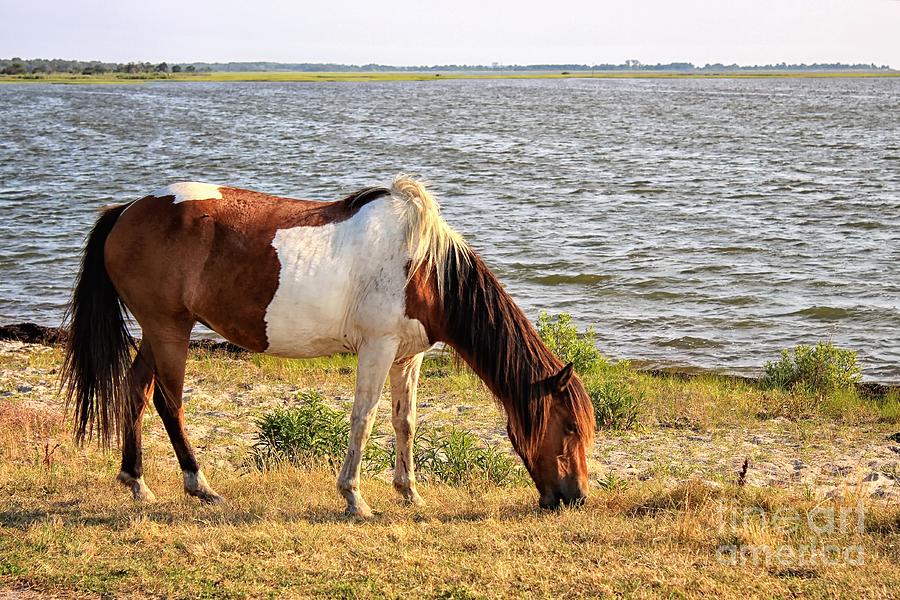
(379, 274)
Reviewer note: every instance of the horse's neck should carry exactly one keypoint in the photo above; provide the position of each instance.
(494, 336)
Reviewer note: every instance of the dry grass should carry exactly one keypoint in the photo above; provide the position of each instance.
(71, 529)
(67, 529)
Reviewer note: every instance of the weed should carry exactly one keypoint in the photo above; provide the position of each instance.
(612, 482)
(889, 408)
(562, 337)
(455, 457)
(311, 434)
(616, 407)
(820, 369)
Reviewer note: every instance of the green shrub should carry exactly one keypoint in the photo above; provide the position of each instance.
(313, 434)
(616, 406)
(820, 369)
(310, 434)
(562, 337)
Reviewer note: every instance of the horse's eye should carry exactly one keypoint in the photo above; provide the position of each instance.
(571, 429)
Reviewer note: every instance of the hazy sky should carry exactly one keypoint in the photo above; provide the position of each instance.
(455, 31)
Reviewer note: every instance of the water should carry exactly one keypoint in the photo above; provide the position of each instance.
(697, 223)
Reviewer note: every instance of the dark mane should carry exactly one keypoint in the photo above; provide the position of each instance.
(492, 334)
(360, 198)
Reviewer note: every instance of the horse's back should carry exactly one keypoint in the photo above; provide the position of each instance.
(289, 277)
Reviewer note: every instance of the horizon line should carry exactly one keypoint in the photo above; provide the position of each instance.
(494, 65)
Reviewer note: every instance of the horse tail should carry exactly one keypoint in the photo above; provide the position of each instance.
(430, 240)
(98, 350)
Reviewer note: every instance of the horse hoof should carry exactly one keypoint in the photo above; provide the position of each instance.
(413, 499)
(360, 511)
(210, 498)
(195, 485)
(144, 495)
(139, 490)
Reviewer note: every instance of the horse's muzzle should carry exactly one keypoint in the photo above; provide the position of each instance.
(558, 498)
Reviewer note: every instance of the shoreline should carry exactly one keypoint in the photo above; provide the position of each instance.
(378, 76)
(32, 333)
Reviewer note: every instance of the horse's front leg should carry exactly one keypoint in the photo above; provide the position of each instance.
(404, 383)
(375, 360)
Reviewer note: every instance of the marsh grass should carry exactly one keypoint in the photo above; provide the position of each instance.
(807, 382)
(313, 77)
(821, 369)
(310, 434)
(616, 406)
(457, 457)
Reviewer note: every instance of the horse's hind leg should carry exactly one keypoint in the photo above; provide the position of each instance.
(404, 383)
(141, 383)
(170, 357)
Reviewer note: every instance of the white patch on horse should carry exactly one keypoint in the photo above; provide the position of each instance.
(185, 191)
(342, 284)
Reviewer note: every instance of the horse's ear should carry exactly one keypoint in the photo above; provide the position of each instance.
(562, 379)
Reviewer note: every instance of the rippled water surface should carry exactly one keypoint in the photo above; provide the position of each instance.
(702, 223)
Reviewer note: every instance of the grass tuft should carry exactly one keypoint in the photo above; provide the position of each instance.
(311, 434)
(457, 457)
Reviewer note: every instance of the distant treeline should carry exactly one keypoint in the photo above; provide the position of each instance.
(37, 66)
(19, 66)
(630, 65)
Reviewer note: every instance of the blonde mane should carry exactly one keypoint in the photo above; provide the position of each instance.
(430, 241)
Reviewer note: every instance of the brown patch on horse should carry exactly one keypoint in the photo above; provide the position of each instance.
(213, 249)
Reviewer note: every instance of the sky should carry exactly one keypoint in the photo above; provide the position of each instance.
(423, 32)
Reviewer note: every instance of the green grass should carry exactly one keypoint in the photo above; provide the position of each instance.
(807, 382)
(616, 406)
(311, 77)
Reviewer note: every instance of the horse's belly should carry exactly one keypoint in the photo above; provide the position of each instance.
(305, 320)
(306, 347)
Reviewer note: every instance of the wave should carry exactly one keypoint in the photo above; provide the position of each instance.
(864, 224)
(579, 279)
(646, 190)
(689, 342)
(822, 313)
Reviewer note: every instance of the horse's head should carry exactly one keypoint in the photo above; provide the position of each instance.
(556, 458)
